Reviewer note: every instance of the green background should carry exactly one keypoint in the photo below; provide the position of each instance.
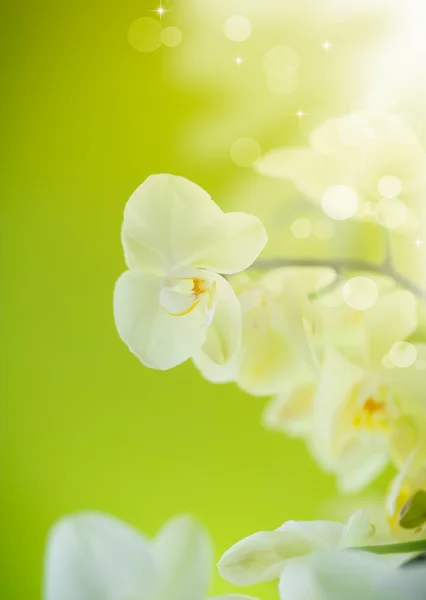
(84, 424)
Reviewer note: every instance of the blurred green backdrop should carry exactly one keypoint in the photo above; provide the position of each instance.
(84, 425)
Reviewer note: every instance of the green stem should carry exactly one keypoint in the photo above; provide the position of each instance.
(402, 548)
(341, 265)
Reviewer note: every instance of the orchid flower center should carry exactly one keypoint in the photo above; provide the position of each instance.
(374, 414)
(181, 295)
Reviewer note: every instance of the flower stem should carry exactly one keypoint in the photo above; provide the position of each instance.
(343, 264)
(402, 548)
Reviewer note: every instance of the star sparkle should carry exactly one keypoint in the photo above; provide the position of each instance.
(160, 10)
(326, 45)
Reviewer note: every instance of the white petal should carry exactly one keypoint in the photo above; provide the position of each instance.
(158, 339)
(267, 356)
(185, 552)
(262, 556)
(391, 319)
(228, 245)
(357, 530)
(213, 372)
(161, 217)
(360, 575)
(320, 534)
(298, 583)
(91, 556)
(291, 411)
(409, 383)
(337, 380)
(224, 333)
(311, 172)
(361, 462)
(170, 221)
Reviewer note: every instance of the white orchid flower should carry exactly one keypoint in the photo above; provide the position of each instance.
(284, 552)
(92, 556)
(357, 414)
(275, 346)
(355, 151)
(350, 415)
(358, 403)
(368, 166)
(172, 300)
(355, 575)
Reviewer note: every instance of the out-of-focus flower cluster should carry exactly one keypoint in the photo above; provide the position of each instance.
(339, 347)
(92, 556)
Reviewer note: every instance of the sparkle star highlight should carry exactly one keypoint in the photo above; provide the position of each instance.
(160, 11)
(326, 46)
(239, 60)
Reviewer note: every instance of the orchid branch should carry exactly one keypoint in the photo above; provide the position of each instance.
(343, 264)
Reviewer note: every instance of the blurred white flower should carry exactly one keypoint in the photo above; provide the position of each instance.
(354, 575)
(171, 301)
(92, 556)
(368, 166)
(275, 348)
(352, 417)
(284, 553)
(360, 152)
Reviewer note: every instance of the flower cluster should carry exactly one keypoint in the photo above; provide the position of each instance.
(336, 350)
(337, 344)
(92, 556)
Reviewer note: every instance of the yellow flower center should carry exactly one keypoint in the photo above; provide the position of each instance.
(181, 295)
(373, 415)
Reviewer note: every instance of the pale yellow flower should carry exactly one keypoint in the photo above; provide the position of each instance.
(172, 301)
(357, 412)
(374, 155)
(351, 416)
(369, 167)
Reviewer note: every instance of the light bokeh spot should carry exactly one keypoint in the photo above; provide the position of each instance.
(245, 152)
(403, 354)
(391, 213)
(281, 58)
(282, 84)
(144, 34)
(340, 202)
(281, 65)
(360, 293)
(237, 28)
(171, 36)
(389, 186)
(301, 228)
